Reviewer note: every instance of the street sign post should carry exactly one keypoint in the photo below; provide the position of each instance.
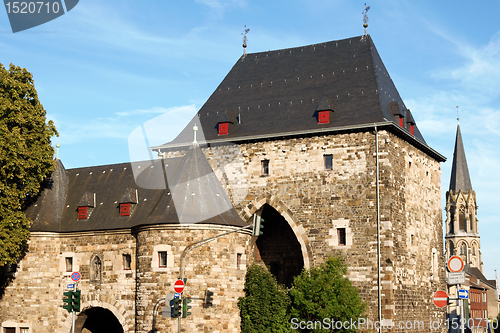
(179, 286)
(440, 299)
(456, 278)
(455, 264)
(462, 293)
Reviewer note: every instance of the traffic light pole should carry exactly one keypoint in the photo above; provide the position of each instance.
(73, 312)
(195, 245)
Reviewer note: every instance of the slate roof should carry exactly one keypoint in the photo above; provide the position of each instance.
(190, 193)
(474, 271)
(460, 178)
(278, 93)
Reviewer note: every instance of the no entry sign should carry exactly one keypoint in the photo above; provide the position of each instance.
(440, 299)
(455, 264)
(179, 286)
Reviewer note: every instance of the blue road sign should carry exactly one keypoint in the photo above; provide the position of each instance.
(71, 286)
(177, 295)
(463, 293)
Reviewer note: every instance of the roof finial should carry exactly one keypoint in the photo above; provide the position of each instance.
(458, 118)
(365, 17)
(195, 128)
(57, 150)
(245, 39)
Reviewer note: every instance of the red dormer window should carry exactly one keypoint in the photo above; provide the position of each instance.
(323, 117)
(223, 128)
(125, 209)
(412, 129)
(82, 213)
(401, 118)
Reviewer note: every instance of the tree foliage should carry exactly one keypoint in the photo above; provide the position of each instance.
(26, 157)
(265, 306)
(324, 292)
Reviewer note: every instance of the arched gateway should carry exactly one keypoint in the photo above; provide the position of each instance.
(97, 320)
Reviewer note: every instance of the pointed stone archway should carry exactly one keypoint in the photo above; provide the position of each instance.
(97, 320)
(284, 245)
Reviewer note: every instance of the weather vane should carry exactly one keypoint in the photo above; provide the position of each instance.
(245, 39)
(365, 17)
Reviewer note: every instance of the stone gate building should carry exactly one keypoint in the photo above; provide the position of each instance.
(302, 137)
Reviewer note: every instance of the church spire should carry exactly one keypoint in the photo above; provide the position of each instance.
(460, 179)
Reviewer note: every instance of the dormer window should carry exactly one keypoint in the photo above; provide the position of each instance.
(323, 117)
(86, 205)
(82, 213)
(401, 119)
(223, 128)
(128, 202)
(323, 111)
(412, 129)
(125, 209)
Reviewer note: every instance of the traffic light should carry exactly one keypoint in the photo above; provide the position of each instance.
(68, 300)
(76, 300)
(257, 225)
(208, 299)
(176, 307)
(186, 307)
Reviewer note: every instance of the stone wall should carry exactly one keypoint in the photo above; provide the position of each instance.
(317, 202)
(34, 296)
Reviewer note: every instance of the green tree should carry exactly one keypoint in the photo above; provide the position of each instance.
(324, 294)
(265, 305)
(26, 157)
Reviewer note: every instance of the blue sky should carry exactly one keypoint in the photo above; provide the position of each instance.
(106, 67)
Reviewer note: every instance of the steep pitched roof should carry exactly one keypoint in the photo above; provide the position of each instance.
(190, 184)
(278, 93)
(460, 179)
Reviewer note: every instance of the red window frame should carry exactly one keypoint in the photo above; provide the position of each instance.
(160, 254)
(401, 118)
(82, 213)
(125, 209)
(223, 128)
(323, 117)
(412, 129)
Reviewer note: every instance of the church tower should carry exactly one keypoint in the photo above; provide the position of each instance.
(462, 235)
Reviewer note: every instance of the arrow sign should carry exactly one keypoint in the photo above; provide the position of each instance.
(463, 293)
(440, 299)
(179, 286)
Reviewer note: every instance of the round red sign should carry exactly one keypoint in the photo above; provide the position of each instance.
(455, 264)
(179, 286)
(440, 299)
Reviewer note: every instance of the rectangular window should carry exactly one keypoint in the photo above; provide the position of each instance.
(69, 264)
(412, 129)
(125, 209)
(341, 236)
(401, 118)
(265, 167)
(328, 162)
(127, 260)
(238, 261)
(162, 259)
(10, 330)
(82, 213)
(24, 330)
(485, 314)
(223, 128)
(484, 297)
